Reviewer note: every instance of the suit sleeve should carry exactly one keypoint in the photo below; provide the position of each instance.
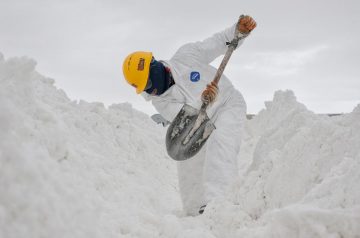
(207, 50)
(167, 109)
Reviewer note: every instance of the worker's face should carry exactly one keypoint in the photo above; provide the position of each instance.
(156, 84)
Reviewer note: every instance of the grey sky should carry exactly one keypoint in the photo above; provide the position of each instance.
(310, 47)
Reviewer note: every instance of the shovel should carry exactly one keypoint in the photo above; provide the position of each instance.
(191, 128)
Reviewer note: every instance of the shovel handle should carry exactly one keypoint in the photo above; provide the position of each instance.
(231, 47)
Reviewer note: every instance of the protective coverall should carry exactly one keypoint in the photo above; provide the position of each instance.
(209, 173)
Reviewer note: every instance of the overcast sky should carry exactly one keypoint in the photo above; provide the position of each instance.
(311, 47)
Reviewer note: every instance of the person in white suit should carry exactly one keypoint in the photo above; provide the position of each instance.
(169, 84)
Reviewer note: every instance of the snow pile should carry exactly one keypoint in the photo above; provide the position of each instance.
(71, 169)
(304, 178)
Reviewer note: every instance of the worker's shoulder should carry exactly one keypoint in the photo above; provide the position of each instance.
(186, 62)
(186, 54)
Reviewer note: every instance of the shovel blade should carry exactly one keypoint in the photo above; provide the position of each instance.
(178, 144)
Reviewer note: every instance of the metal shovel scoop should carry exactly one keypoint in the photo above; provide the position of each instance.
(191, 128)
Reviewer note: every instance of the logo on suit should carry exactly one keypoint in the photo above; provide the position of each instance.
(194, 76)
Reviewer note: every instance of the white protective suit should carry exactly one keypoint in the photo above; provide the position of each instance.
(209, 173)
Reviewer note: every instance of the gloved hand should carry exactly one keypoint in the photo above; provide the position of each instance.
(210, 93)
(246, 24)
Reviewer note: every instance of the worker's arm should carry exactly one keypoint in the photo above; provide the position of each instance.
(209, 49)
(167, 109)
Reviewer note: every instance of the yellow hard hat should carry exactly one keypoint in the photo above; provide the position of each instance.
(136, 69)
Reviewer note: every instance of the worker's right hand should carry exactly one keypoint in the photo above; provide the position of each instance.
(210, 93)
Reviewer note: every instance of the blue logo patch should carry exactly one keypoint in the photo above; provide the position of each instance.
(194, 76)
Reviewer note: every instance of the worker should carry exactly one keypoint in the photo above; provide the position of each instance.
(186, 79)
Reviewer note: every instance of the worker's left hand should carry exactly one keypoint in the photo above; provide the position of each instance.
(246, 24)
(210, 93)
